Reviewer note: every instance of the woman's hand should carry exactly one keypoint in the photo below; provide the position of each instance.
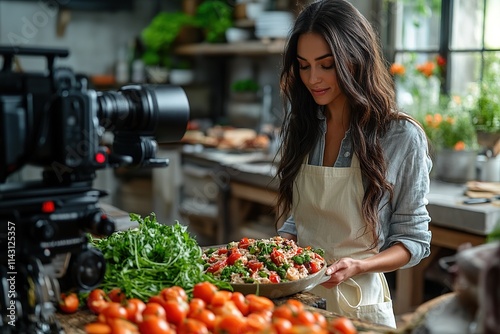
(341, 271)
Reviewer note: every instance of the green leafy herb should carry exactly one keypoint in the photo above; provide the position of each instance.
(145, 260)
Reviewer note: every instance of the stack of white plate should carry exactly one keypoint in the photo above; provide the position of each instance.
(273, 24)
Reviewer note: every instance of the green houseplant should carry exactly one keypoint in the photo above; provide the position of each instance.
(214, 17)
(485, 106)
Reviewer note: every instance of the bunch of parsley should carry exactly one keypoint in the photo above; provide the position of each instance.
(145, 260)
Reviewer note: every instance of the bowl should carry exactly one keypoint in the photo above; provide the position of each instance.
(234, 35)
(181, 76)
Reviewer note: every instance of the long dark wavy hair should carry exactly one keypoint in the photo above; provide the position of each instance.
(363, 77)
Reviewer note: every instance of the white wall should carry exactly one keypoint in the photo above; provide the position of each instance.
(92, 37)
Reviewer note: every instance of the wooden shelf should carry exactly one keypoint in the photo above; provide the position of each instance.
(247, 48)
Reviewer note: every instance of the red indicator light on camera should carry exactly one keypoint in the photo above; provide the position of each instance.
(48, 207)
(100, 158)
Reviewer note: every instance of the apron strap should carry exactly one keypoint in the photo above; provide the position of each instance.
(359, 293)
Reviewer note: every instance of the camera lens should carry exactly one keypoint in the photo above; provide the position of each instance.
(87, 269)
(161, 111)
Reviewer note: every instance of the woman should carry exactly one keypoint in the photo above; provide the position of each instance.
(354, 172)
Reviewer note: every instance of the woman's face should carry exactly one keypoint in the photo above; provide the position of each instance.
(317, 71)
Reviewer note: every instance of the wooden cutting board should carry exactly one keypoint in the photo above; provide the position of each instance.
(478, 189)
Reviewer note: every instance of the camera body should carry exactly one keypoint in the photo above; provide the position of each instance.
(53, 120)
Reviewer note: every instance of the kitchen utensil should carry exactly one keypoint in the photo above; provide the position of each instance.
(283, 289)
(481, 200)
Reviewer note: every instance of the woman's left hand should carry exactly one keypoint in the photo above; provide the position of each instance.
(341, 271)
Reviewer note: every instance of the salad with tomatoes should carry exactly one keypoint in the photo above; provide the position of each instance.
(272, 260)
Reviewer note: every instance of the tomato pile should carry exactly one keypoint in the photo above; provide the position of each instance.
(209, 310)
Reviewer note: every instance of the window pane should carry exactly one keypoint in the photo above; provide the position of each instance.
(465, 71)
(492, 35)
(418, 84)
(467, 30)
(418, 24)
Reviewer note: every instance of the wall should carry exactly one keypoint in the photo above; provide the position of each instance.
(93, 38)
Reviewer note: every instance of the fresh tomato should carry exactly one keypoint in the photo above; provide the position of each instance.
(97, 328)
(122, 326)
(259, 303)
(176, 311)
(277, 257)
(230, 324)
(256, 323)
(154, 309)
(217, 266)
(97, 301)
(274, 277)
(282, 325)
(234, 256)
(192, 326)
(254, 265)
(342, 325)
(174, 293)
(134, 307)
(205, 290)
(241, 302)
(113, 311)
(116, 295)
(314, 267)
(244, 243)
(69, 302)
(155, 325)
(222, 251)
(304, 318)
(221, 297)
(196, 305)
(207, 317)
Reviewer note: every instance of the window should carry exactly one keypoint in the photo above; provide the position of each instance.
(460, 37)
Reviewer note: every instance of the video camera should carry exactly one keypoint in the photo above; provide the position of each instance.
(55, 121)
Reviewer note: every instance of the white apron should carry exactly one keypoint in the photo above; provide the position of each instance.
(327, 214)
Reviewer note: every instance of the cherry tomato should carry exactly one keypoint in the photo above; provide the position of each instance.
(277, 257)
(256, 323)
(254, 265)
(217, 266)
(305, 318)
(205, 291)
(196, 305)
(234, 256)
(244, 243)
(342, 325)
(230, 324)
(97, 328)
(314, 267)
(134, 307)
(228, 308)
(274, 277)
(192, 326)
(155, 325)
(154, 309)
(282, 325)
(116, 295)
(113, 310)
(320, 319)
(176, 311)
(97, 301)
(222, 251)
(122, 326)
(259, 303)
(207, 317)
(174, 293)
(241, 302)
(220, 297)
(69, 302)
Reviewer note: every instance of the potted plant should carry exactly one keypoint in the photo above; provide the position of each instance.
(159, 38)
(453, 141)
(214, 17)
(485, 108)
(245, 90)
